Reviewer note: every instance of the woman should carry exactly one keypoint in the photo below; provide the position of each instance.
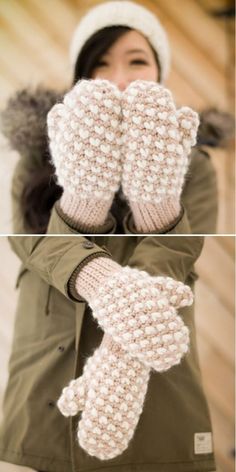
(73, 289)
(101, 50)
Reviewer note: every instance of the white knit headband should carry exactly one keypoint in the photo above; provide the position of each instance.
(123, 13)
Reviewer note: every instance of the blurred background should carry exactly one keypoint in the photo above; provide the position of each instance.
(215, 334)
(34, 41)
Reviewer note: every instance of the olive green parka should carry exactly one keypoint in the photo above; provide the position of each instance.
(55, 333)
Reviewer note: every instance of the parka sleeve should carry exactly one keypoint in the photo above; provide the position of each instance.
(61, 224)
(56, 258)
(172, 257)
(199, 200)
(158, 255)
(200, 194)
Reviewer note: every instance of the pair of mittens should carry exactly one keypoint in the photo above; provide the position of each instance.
(101, 138)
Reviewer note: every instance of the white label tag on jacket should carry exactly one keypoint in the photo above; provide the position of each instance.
(203, 443)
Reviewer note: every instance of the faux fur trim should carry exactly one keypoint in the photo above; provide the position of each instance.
(216, 128)
(23, 122)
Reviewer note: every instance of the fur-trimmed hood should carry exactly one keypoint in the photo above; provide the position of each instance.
(23, 122)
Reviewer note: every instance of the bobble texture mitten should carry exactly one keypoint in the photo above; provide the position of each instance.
(84, 137)
(110, 394)
(157, 139)
(142, 331)
(138, 311)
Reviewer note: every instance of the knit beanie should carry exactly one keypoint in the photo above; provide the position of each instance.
(123, 13)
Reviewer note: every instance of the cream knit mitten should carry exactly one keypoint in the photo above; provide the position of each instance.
(142, 331)
(84, 138)
(110, 394)
(157, 139)
(139, 311)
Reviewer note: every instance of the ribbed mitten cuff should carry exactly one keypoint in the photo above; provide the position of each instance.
(85, 215)
(93, 274)
(150, 217)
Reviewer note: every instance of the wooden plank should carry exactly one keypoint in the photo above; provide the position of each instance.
(202, 30)
(223, 423)
(212, 5)
(183, 92)
(212, 8)
(218, 378)
(223, 434)
(228, 243)
(84, 7)
(195, 68)
(41, 50)
(20, 50)
(19, 66)
(211, 316)
(56, 17)
(16, 63)
(216, 269)
(219, 159)
(223, 163)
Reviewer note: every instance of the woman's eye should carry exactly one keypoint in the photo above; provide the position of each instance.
(139, 61)
(101, 63)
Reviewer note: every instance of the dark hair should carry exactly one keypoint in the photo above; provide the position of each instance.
(42, 191)
(38, 198)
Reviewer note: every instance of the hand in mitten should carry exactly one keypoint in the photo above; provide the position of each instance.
(139, 311)
(84, 138)
(157, 139)
(110, 393)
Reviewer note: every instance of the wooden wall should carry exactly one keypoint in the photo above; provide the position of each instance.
(34, 40)
(215, 334)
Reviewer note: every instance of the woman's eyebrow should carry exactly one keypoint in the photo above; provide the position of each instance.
(131, 51)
